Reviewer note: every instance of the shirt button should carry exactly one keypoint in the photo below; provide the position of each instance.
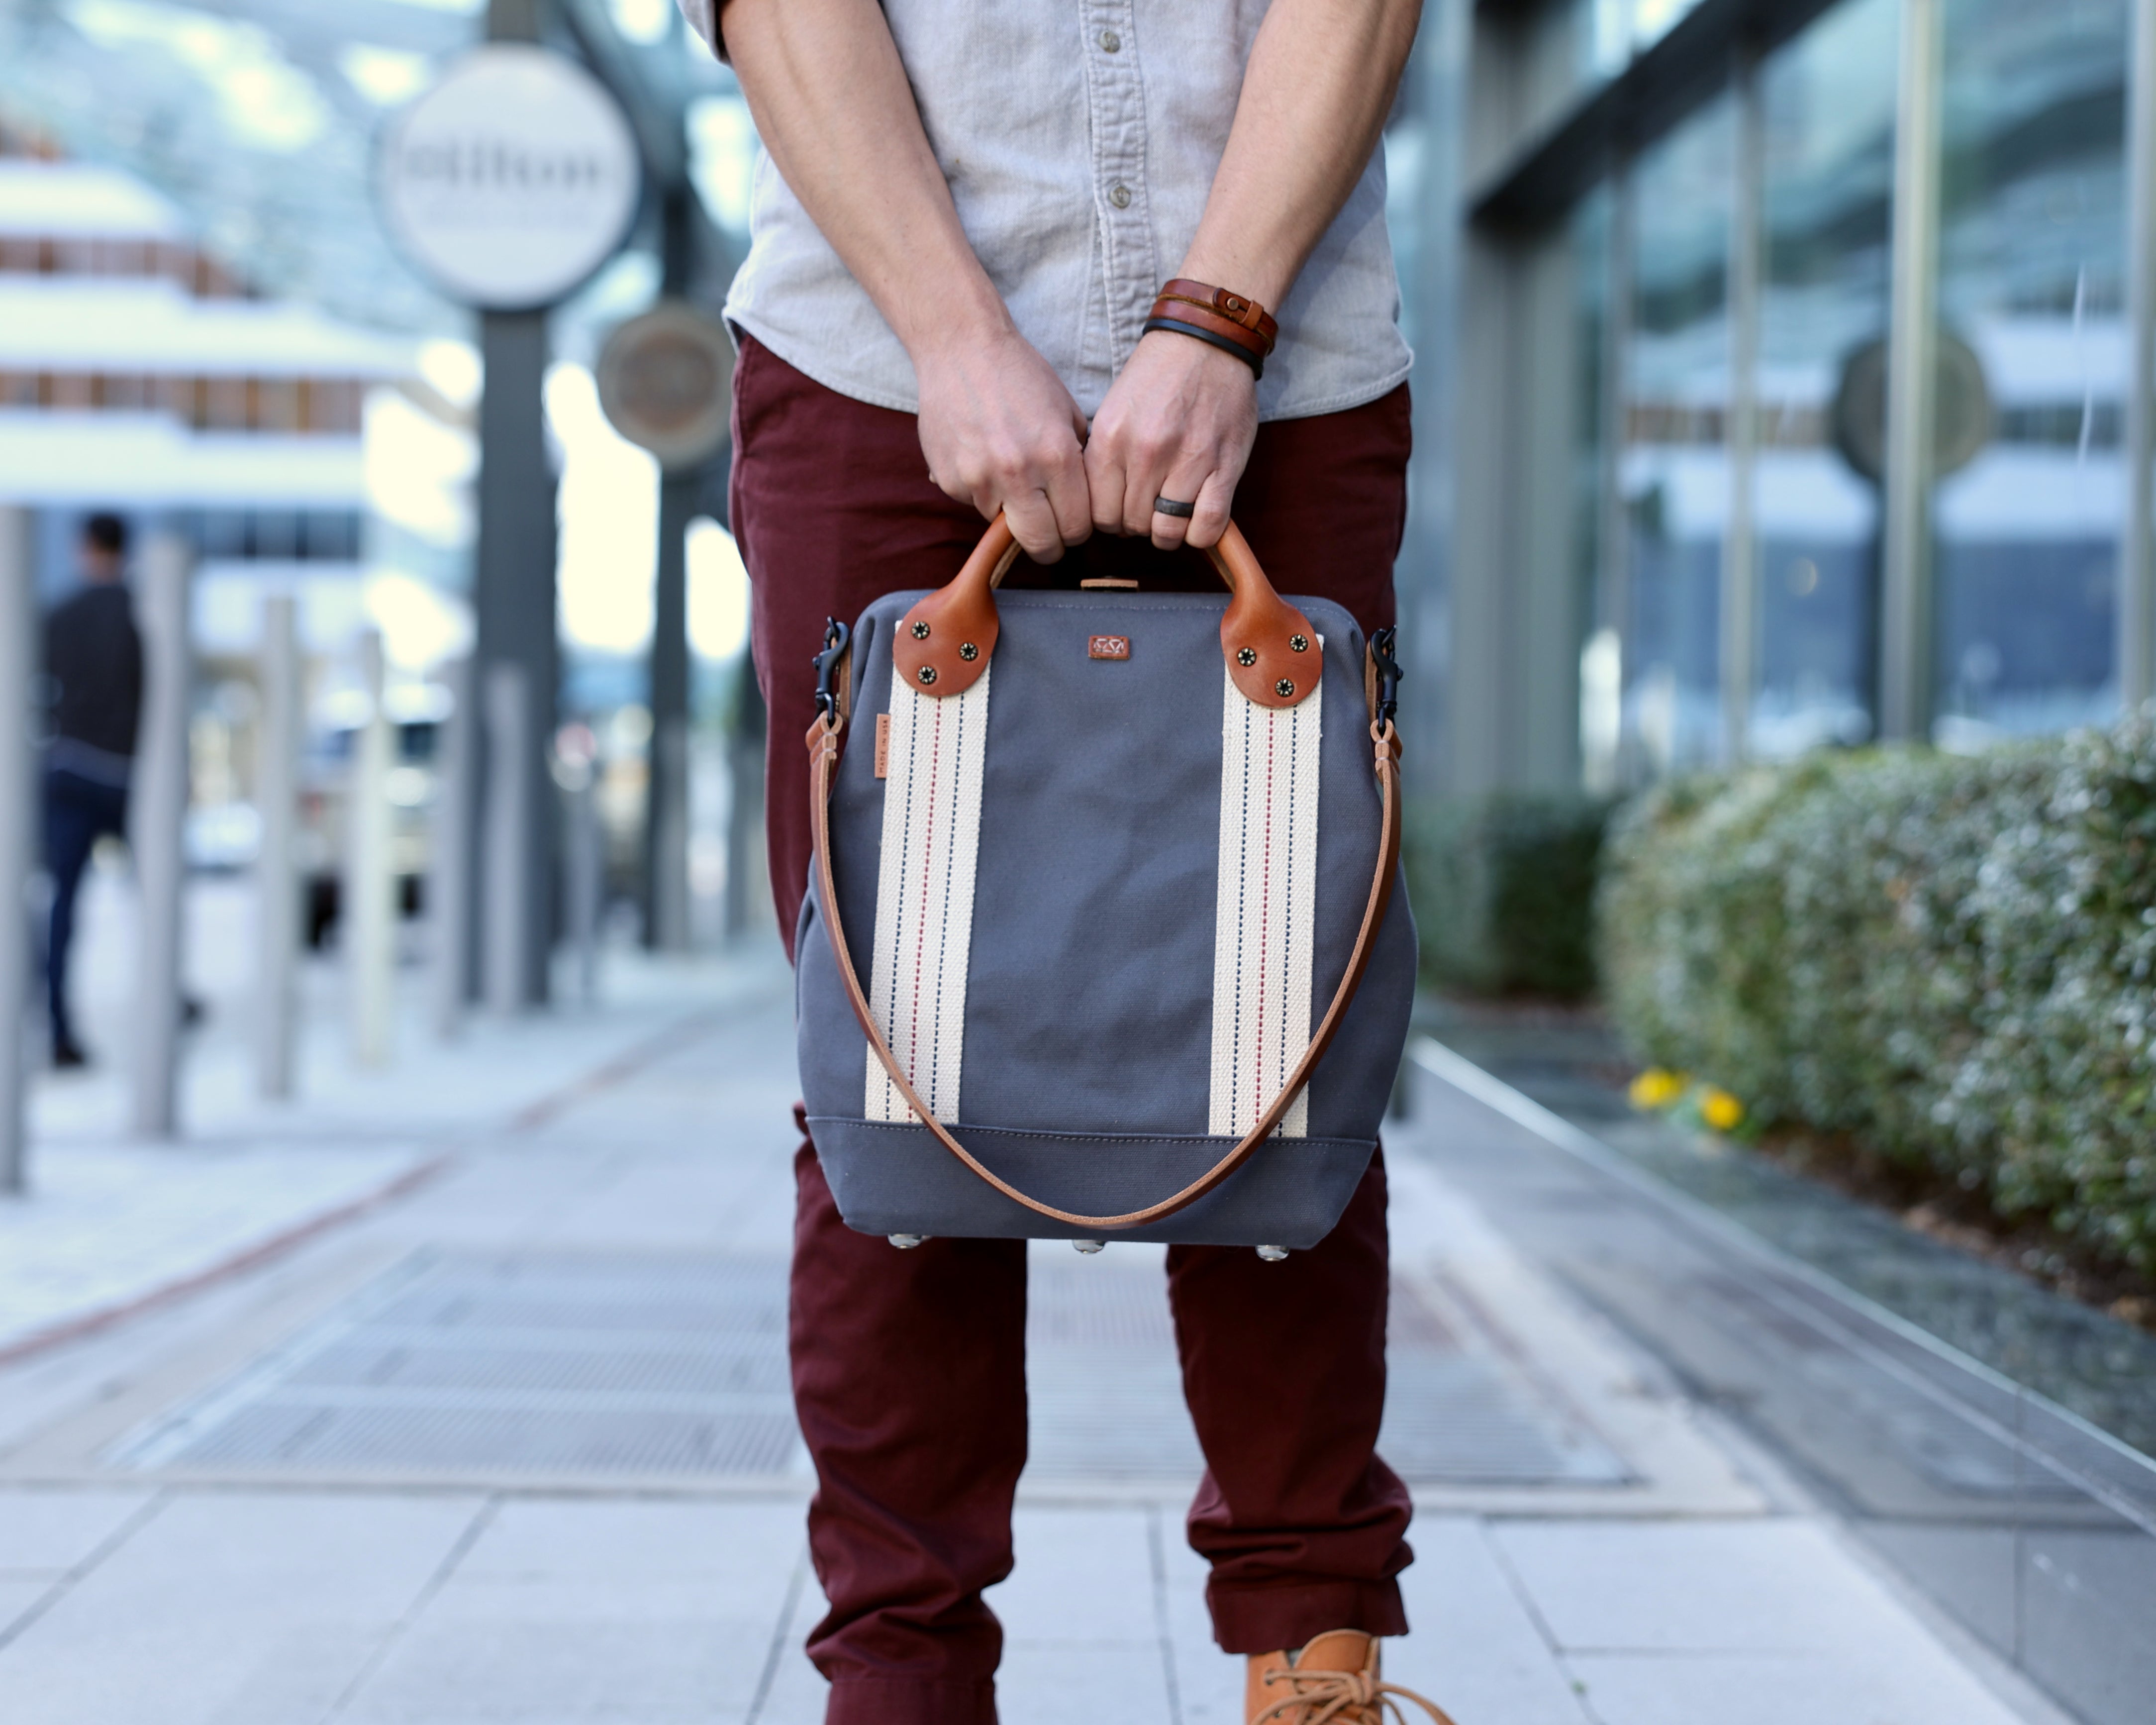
(1110, 43)
(1120, 196)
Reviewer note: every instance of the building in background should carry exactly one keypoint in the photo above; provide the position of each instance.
(1774, 383)
(291, 451)
(138, 373)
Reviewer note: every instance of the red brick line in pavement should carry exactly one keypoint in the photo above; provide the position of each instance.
(89, 1323)
(622, 1067)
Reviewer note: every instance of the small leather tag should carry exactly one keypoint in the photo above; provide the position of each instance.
(1108, 647)
(883, 745)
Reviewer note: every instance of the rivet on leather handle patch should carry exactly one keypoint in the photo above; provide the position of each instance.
(883, 746)
(1108, 647)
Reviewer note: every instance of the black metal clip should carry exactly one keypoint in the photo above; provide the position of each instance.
(837, 637)
(1389, 673)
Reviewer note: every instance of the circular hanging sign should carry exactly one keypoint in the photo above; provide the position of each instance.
(1961, 408)
(511, 180)
(665, 382)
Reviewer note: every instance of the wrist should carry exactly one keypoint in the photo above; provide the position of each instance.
(951, 324)
(1215, 317)
(1252, 278)
(1200, 357)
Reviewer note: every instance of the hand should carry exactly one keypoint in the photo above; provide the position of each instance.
(1178, 423)
(1002, 432)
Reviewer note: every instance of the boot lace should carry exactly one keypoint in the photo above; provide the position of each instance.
(1340, 1699)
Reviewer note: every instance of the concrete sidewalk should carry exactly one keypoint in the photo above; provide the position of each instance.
(516, 1447)
(111, 1223)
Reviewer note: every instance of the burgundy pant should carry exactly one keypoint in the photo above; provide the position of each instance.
(909, 1368)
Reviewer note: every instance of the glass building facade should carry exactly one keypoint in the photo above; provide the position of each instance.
(1778, 377)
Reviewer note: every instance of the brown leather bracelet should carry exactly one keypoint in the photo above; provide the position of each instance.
(1237, 310)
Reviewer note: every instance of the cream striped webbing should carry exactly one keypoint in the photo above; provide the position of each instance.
(924, 925)
(1267, 910)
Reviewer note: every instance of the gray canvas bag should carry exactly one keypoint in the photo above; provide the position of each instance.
(1101, 939)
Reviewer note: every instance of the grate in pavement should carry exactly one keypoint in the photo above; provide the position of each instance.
(567, 1365)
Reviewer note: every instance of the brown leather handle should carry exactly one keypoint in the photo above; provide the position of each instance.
(823, 737)
(943, 644)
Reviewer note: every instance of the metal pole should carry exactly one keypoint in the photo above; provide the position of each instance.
(745, 756)
(666, 804)
(586, 871)
(666, 814)
(1905, 622)
(19, 821)
(1613, 528)
(159, 802)
(449, 865)
(276, 876)
(514, 595)
(1740, 547)
(508, 826)
(370, 882)
(2137, 554)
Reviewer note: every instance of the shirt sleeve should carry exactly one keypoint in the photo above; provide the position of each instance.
(703, 17)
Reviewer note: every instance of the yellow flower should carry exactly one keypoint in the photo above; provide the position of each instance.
(1656, 1088)
(1719, 1109)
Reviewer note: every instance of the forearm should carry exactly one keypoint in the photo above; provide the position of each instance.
(830, 96)
(1319, 82)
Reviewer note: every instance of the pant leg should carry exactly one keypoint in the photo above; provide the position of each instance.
(909, 1368)
(1284, 1369)
(909, 1379)
(1284, 1364)
(76, 814)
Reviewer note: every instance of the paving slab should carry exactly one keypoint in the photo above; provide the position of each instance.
(1082, 1633)
(19, 1596)
(584, 1612)
(49, 1532)
(231, 1609)
(1765, 1586)
(1766, 1621)
(1473, 1646)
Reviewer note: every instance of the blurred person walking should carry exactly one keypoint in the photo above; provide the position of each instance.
(964, 219)
(94, 668)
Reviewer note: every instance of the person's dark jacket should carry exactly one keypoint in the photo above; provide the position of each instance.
(93, 657)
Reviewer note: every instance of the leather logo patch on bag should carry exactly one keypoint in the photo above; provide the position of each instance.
(1108, 647)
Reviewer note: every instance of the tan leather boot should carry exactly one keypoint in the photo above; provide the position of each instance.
(1333, 1681)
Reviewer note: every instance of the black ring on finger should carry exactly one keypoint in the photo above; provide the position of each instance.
(1168, 505)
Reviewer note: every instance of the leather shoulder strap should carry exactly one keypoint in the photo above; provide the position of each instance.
(823, 737)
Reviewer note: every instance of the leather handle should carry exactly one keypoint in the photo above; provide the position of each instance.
(943, 644)
(823, 737)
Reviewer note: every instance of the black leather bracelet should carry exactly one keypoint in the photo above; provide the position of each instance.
(1256, 364)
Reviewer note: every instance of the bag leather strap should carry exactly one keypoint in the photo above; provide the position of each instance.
(823, 741)
(942, 645)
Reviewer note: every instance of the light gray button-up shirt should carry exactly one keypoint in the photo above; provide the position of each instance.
(1080, 138)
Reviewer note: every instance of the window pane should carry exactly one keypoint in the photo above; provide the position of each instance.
(1601, 720)
(1674, 470)
(2031, 286)
(1828, 106)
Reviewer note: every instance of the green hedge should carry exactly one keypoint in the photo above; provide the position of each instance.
(1503, 889)
(1954, 959)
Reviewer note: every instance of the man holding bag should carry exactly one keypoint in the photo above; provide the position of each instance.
(1108, 269)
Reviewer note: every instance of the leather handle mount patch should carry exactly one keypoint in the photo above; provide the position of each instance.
(943, 644)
